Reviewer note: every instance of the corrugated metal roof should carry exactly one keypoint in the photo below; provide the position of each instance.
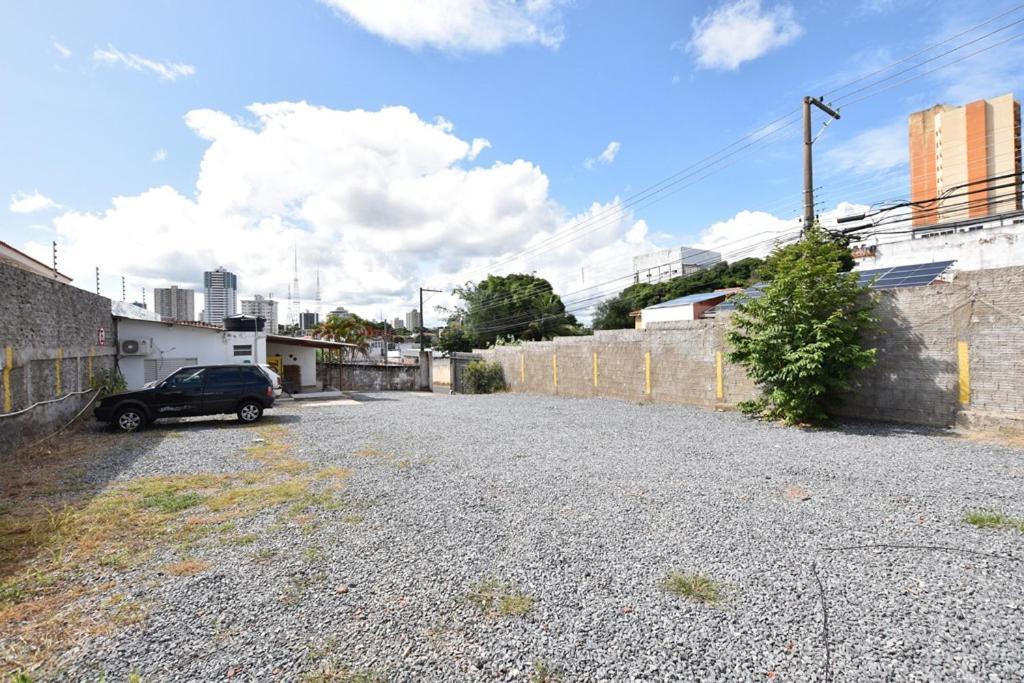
(690, 299)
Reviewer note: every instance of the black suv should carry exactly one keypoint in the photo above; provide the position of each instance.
(193, 390)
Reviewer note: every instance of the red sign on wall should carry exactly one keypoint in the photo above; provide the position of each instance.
(101, 336)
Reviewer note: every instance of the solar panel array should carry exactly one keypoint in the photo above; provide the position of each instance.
(916, 275)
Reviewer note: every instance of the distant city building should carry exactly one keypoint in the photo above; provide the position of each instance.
(397, 323)
(308, 320)
(341, 312)
(174, 303)
(412, 320)
(219, 289)
(968, 156)
(262, 307)
(665, 264)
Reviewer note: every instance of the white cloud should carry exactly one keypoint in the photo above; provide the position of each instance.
(159, 155)
(874, 150)
(22, 202)
(168, 71)
(741, 31)
(61, 49)
(382, 200)
(458, 25)
(606, 157)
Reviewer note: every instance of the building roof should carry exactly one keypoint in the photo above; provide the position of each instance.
(913, 275)
(20, 258)
(307, 341)
(180, 323)
(689, 299)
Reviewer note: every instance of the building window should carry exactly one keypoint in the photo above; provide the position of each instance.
(243, 349)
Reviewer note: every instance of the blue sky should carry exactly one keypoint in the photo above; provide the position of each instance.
(97, 95)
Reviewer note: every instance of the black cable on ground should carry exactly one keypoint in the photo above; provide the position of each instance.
(942, 548)
(824, 623)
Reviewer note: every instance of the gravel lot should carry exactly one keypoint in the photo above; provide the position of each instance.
(585, 506)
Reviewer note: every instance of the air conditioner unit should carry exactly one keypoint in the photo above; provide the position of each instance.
(136, 347)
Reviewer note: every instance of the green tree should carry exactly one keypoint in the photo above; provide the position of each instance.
(453, 338)
(802, 339)
(521, 305)
(613, 313)
(342, 329)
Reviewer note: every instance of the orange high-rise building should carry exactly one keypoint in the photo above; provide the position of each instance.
(965, 161)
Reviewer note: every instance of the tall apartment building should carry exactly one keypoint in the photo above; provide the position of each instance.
(220, 288)
(308, 320)
(965, 161)
(412, 320)
(262, 307)
(174, 303)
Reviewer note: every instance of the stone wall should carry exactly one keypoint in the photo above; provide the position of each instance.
(918, 377)
(368, 377)
(50, 352)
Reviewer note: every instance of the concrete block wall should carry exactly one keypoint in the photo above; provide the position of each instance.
(366, 377)
(50, 350)
(918, 377)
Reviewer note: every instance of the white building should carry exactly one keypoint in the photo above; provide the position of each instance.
(220, 289)
(261, 307)
(149, 350)
(412, 320)
(690, 307)
(990, 242)
(173, 303)
(665, 264)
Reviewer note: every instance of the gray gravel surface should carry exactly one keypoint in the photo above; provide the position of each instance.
(587, 505)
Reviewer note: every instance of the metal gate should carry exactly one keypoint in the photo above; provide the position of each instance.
(158, 368)
(459, 361)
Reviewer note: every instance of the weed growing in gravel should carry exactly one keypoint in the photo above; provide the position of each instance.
(244, 539)
(371, 453)
(329, 671)
(543, 673)
(988, 519)
(694, 586)
(187, 567)
(495, 598)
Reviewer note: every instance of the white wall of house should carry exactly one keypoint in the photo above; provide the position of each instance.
(668, 314)
(987, 244)
(171, 345)
(303, 356)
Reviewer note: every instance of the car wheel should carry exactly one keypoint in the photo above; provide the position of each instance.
(250, 411)
(130, 419)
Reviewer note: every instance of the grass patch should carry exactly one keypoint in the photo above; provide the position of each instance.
(371, 453)
(495, 598)
(328, 671)
(187, 567)
(989, 519)
(694, 587)
(544, 673)
(60, 542)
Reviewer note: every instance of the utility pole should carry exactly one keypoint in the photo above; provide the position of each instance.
(422, 317)
(808, 163)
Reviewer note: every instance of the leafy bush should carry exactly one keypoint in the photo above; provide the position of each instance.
(107, 382)
(483, 377)
(802, 340)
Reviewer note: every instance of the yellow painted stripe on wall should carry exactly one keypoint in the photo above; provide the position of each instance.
(964, 361)
(647, 373)
(8, 362)
(554, 368)
(60, 357)
(595, 368)
(719, 385)
(522, 368)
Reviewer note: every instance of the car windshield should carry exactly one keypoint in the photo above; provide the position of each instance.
(184, 377)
